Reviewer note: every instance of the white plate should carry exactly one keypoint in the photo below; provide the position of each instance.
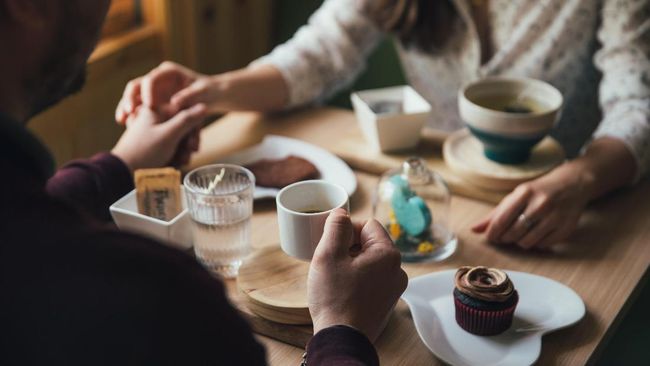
(331, 168)
(544, 305)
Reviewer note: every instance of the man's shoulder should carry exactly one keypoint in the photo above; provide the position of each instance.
(138, 255)
(109, 242)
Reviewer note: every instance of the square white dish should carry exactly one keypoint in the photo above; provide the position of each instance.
(176, 233)
(330, 166)
(387, 132)
(544, 306)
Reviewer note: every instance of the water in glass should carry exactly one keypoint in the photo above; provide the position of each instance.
(221, 215)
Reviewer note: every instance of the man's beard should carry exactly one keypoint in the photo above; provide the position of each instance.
(56, 86)
(62, 73)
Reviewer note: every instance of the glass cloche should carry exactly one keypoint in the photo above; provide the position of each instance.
(413, 204)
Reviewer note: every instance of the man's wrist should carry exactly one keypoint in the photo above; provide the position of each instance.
(338, 320)
(340, 344)
(124, 157)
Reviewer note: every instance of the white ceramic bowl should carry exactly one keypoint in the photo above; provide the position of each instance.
(176, 233)
(508, 137)
(388, 131)
(510, 124)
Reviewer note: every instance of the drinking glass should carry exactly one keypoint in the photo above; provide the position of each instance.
(221, 210)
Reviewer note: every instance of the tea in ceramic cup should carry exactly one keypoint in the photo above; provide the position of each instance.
(509, 115)
(303, 208)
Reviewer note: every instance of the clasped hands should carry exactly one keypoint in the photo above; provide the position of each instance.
(163, 117)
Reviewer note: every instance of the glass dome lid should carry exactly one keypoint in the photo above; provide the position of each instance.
(413, 204)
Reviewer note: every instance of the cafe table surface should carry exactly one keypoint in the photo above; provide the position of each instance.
(605, 261)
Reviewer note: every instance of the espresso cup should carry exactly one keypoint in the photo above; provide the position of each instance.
(303, 208)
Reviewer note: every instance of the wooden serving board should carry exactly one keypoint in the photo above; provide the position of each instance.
(333, 129)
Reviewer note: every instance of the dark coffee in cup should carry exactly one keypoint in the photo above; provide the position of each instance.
(313, 210)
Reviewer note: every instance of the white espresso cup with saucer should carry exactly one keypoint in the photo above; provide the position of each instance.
(303, 208)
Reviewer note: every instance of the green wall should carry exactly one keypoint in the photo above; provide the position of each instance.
(383, 69)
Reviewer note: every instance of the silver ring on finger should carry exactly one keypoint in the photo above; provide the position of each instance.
(528, 223)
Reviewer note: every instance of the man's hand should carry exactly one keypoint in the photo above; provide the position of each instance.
(151, 142)
(355, 277)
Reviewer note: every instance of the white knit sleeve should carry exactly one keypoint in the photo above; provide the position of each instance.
(624, 60)
(328, 53)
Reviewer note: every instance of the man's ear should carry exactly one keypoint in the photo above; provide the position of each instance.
(36, 14)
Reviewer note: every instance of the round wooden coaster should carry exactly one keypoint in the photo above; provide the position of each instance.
(275, 286)
(463, 154)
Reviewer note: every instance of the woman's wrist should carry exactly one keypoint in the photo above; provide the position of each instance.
(606, 165)
(216, 93)
(580, 174)
(259, 88)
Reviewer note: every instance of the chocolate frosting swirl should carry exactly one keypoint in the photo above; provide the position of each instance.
(488, 284)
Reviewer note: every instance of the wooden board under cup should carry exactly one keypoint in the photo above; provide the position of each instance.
(463, 153)
(275, 286)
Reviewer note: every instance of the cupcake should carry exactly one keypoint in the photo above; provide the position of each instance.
(485, 300)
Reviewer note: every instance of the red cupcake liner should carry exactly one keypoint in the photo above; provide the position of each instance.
(484, 322)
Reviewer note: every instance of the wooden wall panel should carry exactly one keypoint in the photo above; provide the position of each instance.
(229, 34)
(121, 17)
(212, 36)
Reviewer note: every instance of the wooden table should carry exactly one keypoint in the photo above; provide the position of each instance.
(605, 261)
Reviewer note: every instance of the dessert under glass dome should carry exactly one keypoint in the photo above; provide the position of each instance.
(413, 204)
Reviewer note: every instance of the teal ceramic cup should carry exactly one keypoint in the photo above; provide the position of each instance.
(509, 115)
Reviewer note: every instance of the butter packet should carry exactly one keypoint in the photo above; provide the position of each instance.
(158, 192)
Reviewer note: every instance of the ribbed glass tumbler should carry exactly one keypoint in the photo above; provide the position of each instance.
(220, 202)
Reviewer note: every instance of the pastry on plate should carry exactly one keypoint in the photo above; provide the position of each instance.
(279, 173)
(485, 300)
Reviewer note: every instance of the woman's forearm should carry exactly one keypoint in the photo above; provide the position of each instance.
(606, 165)
(258, 88)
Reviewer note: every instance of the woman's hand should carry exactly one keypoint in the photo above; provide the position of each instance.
(546, 210)
(355, 276)
(539, 213)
